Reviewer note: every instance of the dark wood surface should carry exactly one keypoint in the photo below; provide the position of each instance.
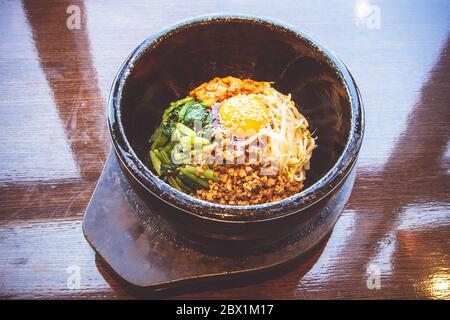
(54, 142)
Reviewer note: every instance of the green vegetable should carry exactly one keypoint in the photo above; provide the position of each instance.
(189, 172)
(183, 185)
(179, 155)
(164, 157)
(180, 158)
(172, 111)
(210, 174)
(168, 147)
(194, 114)
(156, 162)
(185, 109)
(174, 183)
(170, 115)
(185, 128)
(167, 169)
(193, 141)
(158, 139)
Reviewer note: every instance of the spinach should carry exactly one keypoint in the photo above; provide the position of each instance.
(194, 114)
(179, 124)
(172, 111)
(170, 115)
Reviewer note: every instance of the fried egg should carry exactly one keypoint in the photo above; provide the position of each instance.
(243, 115)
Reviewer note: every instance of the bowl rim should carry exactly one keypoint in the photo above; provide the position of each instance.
(235, 213)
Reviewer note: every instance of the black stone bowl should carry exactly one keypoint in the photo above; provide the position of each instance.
(166, 66)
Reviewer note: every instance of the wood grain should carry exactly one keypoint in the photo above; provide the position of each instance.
(54, 142)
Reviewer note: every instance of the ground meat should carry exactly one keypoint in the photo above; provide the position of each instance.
(243, 185)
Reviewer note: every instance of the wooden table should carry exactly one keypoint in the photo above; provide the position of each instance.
(393, 239)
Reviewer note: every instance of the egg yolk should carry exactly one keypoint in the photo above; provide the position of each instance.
(243, 115)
